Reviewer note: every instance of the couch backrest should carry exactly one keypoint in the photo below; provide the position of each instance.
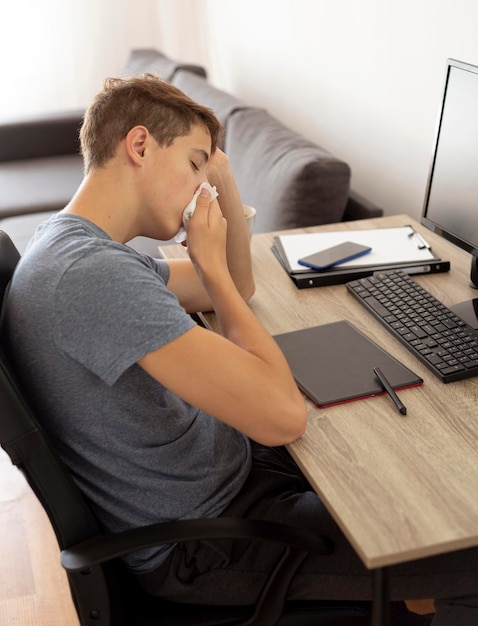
(50, 134)
(289, 180)
(149, 60)
(198, 89)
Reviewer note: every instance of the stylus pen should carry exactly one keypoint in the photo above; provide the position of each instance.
(389, 389)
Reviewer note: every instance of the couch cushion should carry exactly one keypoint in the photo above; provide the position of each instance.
(36, 185)
(149, 60)
(290, 181)
(198, 89)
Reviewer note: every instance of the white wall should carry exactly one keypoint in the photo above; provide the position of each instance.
(54, 54)
(362, 78)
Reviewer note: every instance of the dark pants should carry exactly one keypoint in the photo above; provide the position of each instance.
(226, 572)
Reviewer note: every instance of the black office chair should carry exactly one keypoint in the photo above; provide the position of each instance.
(103, 591)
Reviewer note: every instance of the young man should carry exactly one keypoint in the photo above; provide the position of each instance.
(156, 417)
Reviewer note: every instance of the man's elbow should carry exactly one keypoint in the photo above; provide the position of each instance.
(292, 427)
(297, 424)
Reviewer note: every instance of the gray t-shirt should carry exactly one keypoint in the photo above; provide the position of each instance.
(81, 311)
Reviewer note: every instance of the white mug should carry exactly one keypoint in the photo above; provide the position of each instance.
(250, 215)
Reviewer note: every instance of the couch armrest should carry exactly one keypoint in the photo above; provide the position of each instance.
(291, 182)
(47, 135)
(358, 208)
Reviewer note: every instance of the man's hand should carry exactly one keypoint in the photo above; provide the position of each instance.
(207, 236)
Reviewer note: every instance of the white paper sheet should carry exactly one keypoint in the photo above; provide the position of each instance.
(389, 246)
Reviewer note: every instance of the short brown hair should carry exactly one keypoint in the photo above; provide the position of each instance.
(145, 100)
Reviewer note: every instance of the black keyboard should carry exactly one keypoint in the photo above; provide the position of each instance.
(446, 344)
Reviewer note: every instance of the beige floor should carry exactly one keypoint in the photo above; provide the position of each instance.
(33, 586)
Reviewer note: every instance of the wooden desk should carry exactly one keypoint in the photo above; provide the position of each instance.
(400, 487)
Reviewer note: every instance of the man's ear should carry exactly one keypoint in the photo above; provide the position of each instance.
(136, 141)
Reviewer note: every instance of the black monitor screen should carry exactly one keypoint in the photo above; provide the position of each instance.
(451, 199)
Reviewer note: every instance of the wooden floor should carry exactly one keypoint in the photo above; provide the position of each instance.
(33, 586)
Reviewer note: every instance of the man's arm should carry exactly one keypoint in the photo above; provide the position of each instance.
(238, 246)
(183, 280)
(241, 377)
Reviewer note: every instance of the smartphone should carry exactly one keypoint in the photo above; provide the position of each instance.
(334, 255)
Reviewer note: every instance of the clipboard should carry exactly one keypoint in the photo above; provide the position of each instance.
(392, 248)
(333, 364)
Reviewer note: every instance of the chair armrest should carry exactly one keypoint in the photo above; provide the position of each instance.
(46, 135)
(103, 548)
(83, 560)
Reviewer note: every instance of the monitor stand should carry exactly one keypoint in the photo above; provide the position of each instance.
(468, 310)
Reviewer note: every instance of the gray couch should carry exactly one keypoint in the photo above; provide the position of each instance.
(290, 181)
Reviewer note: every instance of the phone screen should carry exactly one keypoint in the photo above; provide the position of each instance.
(334, 255)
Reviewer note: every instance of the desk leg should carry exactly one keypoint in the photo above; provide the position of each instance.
(381, 597)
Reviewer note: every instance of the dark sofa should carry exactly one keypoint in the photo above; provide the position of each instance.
(291, 181)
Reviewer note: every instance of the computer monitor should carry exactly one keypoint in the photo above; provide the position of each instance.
(451, 198)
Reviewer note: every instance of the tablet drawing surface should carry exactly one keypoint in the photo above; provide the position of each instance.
(333, 363)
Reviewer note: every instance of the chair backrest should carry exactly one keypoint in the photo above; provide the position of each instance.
(28, 446)
(9, 257)
(97, 597)
(21, 436)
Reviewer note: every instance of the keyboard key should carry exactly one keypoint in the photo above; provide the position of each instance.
(376, 306)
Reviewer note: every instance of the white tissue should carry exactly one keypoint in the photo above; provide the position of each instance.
(189, 210)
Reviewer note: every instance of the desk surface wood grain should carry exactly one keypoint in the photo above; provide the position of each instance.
(400, 487)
